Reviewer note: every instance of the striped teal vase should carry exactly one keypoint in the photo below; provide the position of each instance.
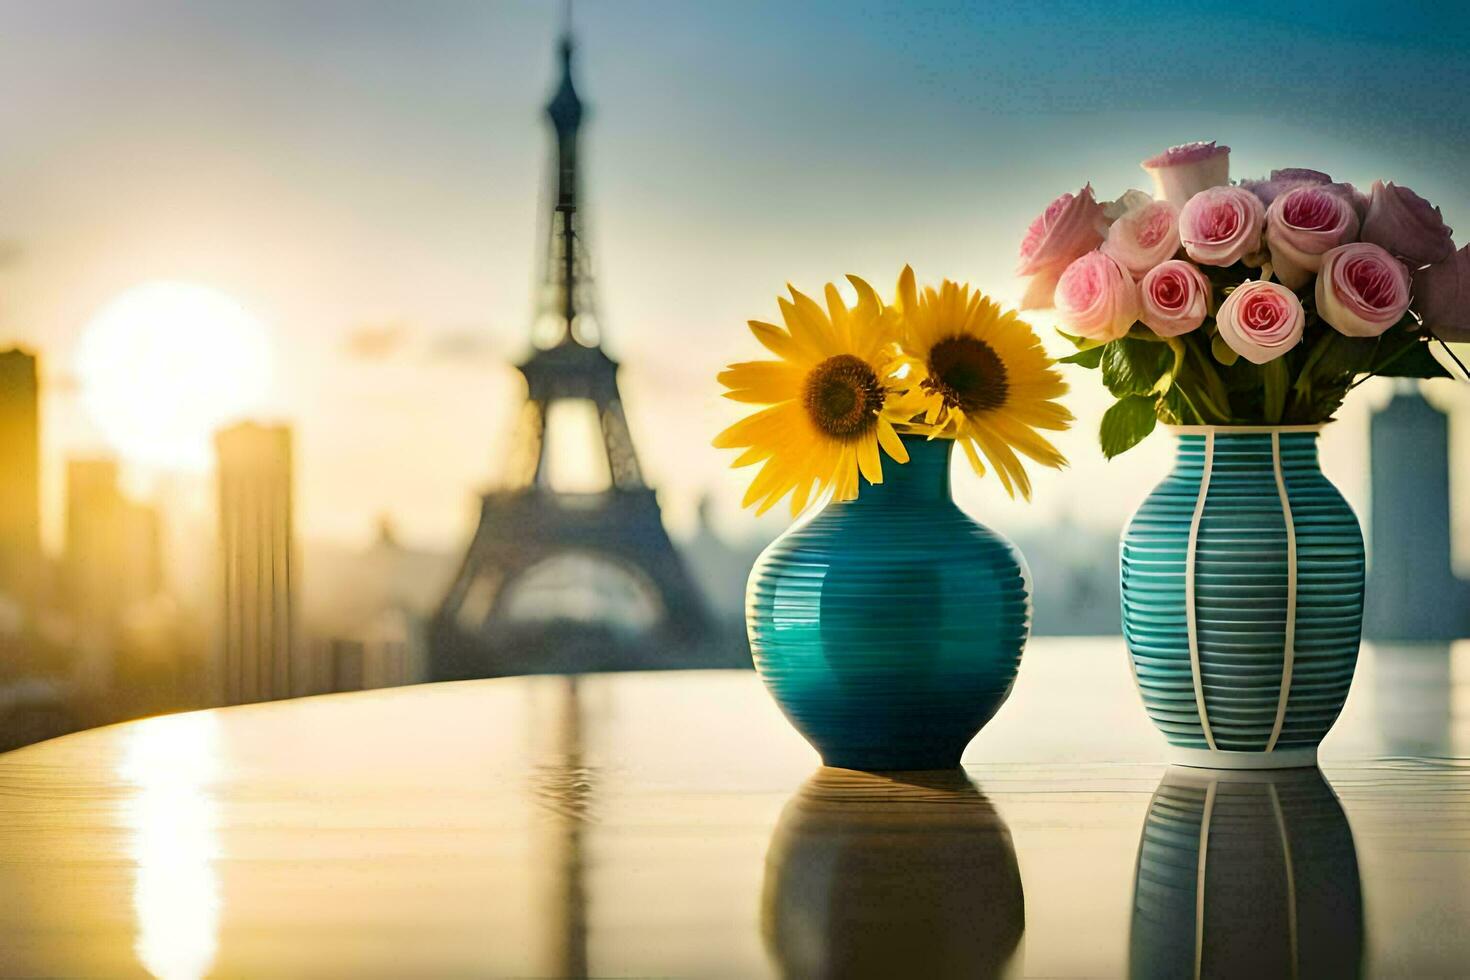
(1243, 598)
(889, 628)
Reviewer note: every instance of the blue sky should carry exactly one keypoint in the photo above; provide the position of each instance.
(365, 179)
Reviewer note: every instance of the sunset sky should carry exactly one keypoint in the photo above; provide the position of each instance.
(364, 180)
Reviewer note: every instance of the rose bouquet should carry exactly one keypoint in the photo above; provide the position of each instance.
(1257, 303)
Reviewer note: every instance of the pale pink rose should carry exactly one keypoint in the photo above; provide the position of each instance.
(1070, 225)
(1442, 297)
(1174, 298)
(1181, 172)
(1361, 289)
(1221, 225)
(1408, 226)
(1144, 237)
(1261, 320)
(1097, 298)
(1301, 225)
(1127, 201)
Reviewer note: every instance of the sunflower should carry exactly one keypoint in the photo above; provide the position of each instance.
(979, 375)
(830, 397)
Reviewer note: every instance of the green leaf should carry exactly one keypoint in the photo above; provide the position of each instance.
(1089, 358)
(1277, 380)
(1222, 351)
(1409, 358)
(1125, 424)
(1135, 367)
(1341, 358)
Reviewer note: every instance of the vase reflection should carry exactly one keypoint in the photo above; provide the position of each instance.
(889, 875)
(1246, 874)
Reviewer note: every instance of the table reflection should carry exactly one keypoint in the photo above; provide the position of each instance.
(562, 786)
(1246, 874)
(172, 819)
(889, 875)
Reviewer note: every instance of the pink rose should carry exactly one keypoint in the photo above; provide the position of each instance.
(1174, 298)
(1290, 178)
(1221, 225)
(1144, 237)
(1442, 297)
(1362, 290)
(1097, 298)
(1301, 225)
(1408, 226)
(1070, 225)
(1181, 172)
(1127, 201)
(1261, 320)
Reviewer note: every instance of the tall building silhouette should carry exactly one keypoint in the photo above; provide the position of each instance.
(558, 581)
(112, 555)
(1413, 594)
(20, 475)
(256, 657)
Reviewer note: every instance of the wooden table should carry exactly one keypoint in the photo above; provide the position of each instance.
(674, 825)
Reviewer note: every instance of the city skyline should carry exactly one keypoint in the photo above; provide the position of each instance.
(396, 297)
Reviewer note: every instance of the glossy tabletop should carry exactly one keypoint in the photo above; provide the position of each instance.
(674, 825)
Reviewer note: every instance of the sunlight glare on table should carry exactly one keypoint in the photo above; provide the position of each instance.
(171, 762)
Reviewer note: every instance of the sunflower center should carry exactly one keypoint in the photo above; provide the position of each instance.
(843, 396)
(968, 374)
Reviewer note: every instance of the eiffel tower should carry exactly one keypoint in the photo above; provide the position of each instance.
(528, 529)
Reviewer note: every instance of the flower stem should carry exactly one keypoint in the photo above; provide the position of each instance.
(1459, 363)
(1211, 386)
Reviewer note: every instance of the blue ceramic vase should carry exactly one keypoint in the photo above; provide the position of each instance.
(1242, 580)
(889, 628)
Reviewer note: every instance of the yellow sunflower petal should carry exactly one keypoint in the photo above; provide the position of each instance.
(777, 341)
(768, 381)
(974, 457)
(812, 317)
(906, 296)
(749, 430)
(1012, 474)
(751, 456)
(868, 461)
(890, 441)
(800, 495)
(1027, 441)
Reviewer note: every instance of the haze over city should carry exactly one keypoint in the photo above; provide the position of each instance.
(361, 188)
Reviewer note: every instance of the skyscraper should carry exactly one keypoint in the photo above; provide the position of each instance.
(1413, 594)
(20, 475)
(112, 555)
(257, 544)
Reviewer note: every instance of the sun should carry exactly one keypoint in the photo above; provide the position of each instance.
(165, 364)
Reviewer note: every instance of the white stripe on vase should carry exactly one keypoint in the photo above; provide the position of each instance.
(1289, 655)
(1189, 610)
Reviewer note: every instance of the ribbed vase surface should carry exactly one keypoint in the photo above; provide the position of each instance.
(1242, 582)
(889, 628)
